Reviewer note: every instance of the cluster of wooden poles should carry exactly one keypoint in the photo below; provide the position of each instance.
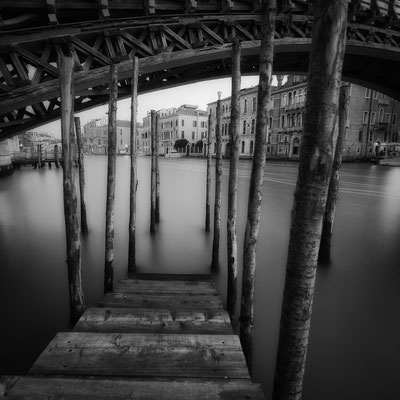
(317, 181)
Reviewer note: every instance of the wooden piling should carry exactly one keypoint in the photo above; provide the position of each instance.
(157, 161)
(315, 166)
(256, 179)
(218, 188)
(110, 203)
(133, 178)
(233, 177)
(81, 166)
(153, 178)
(208, 181)
(56, 156)
(71, 212)
(324, 255)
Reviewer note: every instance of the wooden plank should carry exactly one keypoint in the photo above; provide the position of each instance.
(174, 277)
(166, 287)
(173, 302)
(123, 320)
(68, 388)
(125, 354)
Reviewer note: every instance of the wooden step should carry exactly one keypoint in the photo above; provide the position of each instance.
(162, 301)
(123, 320)
(71, 388)
(139, 355)
(142, 286)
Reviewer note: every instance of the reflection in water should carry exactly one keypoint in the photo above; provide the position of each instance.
(353, 349)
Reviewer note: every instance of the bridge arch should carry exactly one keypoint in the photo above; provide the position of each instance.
(173, 50)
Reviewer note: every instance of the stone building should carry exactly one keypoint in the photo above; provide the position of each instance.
(186, 122)
(372, 121)
(95, 136)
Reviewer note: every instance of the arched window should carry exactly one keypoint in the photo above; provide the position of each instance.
(381, 114)
(296, 99)
(283, 121)
(251, 147)
(298, 119)
(290, 98)
(253, 125)
(245, 106)
(254, 104)
(301, 99)
(270, 122)
(244, 127)
(243, 147)
(284, 99)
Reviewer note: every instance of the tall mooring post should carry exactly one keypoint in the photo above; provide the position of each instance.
(157, 163)
(218, 188)
(315, 168)
(233, 177)
(133, 178)
(324, 256)
(81, 166)
(153, 179)
(71, 212)
(208, 178)
(111, 166)
(256, 179)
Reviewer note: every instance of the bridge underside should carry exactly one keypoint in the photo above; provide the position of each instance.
(173, 50)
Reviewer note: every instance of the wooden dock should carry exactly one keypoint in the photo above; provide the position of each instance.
(155, 337)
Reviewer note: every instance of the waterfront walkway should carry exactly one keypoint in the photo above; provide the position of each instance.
(155, 337)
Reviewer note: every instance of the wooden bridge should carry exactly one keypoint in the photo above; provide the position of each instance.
(177, 42)
(155, 337)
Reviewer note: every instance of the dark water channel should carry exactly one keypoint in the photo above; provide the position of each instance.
(354, 350)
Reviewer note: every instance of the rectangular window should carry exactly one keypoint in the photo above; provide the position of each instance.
(360, 136)
(374, 94)
(194, 124)
(394, 119)
(121, 142)
(183, 122)
(120, 131)
(183, 134)
(202, 124)
(192, 135)
(365, 117)
(373, 117)
(367, 93)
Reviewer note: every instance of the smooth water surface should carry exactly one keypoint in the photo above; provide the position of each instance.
(353, 349)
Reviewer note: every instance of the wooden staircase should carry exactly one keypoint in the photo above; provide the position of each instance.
(155, 337)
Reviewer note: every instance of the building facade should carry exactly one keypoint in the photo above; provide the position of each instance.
(372, 121)
(185, 123)
(95, 136)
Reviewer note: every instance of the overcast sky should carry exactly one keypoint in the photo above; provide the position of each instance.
(200, 94)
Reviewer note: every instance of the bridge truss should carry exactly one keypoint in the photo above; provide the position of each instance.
(176, 41)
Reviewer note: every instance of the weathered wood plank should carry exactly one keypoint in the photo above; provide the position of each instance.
(165, 287)
(161, 355)
(123, 320)
(173, 277)
(52, 388)
(194, 302)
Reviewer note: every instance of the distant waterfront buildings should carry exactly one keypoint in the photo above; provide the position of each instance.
(372, 121)
(186, 125)
(95, 136)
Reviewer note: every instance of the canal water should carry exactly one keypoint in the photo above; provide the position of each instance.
(354, 350)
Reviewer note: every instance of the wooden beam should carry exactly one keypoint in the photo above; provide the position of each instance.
(218, 188)
(104, 12)
(72, 224)
(133, 169)
(233, 189)
(81, 166)
(52, 12)
(150, 6)
(111, 170)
